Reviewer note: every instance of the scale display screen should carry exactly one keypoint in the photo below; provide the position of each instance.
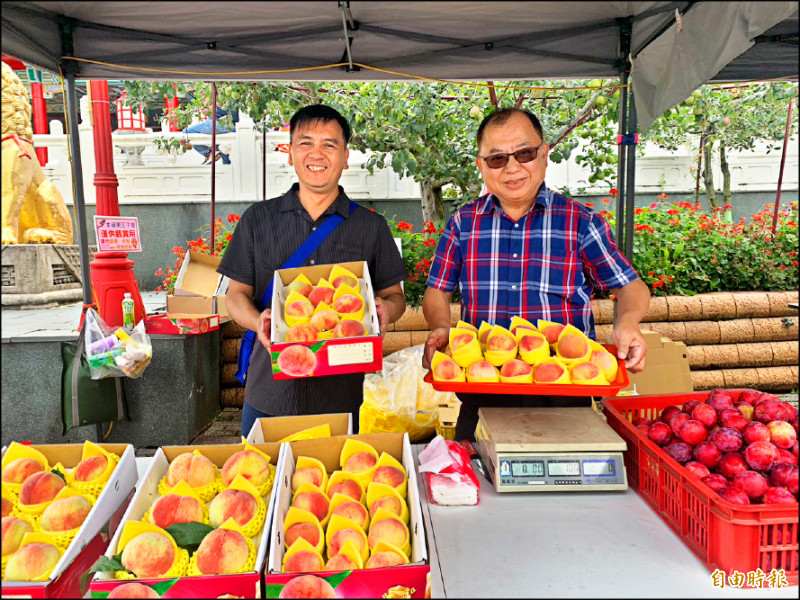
(599, 468)
(527, 469)
(564, 468)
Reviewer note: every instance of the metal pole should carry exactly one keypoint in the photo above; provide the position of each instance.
(631, 182)
(783, 163)
(264, 158)
(213, 158)
(625, 27)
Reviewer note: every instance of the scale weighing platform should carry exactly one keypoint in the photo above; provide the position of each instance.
(550, 449)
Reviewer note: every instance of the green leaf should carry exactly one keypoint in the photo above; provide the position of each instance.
(102, 564)
(337, 578)
(189, 535)
(272, 590)
(162, 587)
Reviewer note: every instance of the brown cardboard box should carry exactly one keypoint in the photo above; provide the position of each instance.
(273, 429)
(666, 370)
(199, 289)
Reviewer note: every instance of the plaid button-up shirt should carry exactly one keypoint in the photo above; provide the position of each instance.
(544, 266)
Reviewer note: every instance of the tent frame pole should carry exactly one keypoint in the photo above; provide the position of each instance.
(625, 30)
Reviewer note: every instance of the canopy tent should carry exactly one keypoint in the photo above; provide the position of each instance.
(667, 48)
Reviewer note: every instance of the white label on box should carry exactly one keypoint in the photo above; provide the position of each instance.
(350, 354)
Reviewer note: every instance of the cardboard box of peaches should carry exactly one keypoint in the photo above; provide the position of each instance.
(197, 526)
(554, 358)
(348, 521)
(57, 498)
(324, 322)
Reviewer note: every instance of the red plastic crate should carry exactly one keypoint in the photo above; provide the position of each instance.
(721, 534)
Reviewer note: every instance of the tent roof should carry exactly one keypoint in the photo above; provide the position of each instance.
(443, 40)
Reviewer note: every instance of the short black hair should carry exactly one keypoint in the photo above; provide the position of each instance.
(318, 112)
(501, 115)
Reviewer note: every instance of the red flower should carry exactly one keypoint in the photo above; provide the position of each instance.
(428, 227)
(233, 218)
(662, 196)
(605, 200)
(641, 227)
(159, 273)
(654, 205)
(590, 204)
(613, 192)
(228, 237)
(672, 211)
(159, 289)
(402, 226)
(429, 242)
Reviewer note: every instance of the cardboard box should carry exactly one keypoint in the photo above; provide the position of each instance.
(363, 583)
(273, 429)
(199, 289)
(666, 370)
(446, 419)
(337, 356)
(89, 543)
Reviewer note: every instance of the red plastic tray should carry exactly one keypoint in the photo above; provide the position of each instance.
(540, 389)
(721, 534)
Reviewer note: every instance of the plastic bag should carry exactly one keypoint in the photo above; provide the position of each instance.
(115, 352)
(397, 400)
(448, 469)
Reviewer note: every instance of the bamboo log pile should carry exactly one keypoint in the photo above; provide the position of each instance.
(739, 339)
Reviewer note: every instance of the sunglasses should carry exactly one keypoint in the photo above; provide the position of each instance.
(498, 161)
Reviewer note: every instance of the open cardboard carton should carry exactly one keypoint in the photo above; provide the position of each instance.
(274, 429)
(666, 371)
(92, 538)
(242, 585)
(199, 289)
(362, 583)
(337, 356)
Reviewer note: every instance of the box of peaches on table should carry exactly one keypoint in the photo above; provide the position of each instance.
(546, 358)
(299, 427)
(197, 526)
(324, 322)
(57, 501)
(348, 521)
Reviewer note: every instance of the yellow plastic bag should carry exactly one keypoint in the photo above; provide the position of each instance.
(398, 400)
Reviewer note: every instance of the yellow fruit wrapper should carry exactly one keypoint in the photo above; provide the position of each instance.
(500, 357)
(312, 433)
(252, 527)
(205, 492)
(339, 271)
(352, 447)
(298, 515)
(586, 350)
(34, 538)
(35, 510)
(300, 279)
(16, 451)
(62, 539)
(94, 487)
(9, 496)
(340, 498)
(349, 550)
(344, 290)
(482, 333)
(537, 354)
(299, 546)
(387, 547)
(495, 376)
(337, 523)
(387, 460)
(464, 347)
(564, 378)
(517, 321)
(440, 358)
(306, 462)
(465, 325)
(383, 514)
(542, 325)
(308, 488)
(607, 362)
(599, 379)
(524, 378)
(248, 566)
(292, 320)
(377, 491)
(338, 477)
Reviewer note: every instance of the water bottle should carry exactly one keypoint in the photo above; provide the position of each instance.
(127, 311)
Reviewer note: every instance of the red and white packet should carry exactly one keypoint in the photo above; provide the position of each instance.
(448, 470)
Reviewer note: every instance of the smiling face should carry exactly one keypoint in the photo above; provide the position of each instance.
(516, 184)
(319, 154)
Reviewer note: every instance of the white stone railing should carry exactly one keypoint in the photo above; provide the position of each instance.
(145, 176)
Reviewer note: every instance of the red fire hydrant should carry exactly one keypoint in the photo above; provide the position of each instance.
(112, 277)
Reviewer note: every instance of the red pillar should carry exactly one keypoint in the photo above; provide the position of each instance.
(171, 104)
(39, 118)
(104, 178)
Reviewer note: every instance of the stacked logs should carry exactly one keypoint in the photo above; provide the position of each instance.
(740, 339)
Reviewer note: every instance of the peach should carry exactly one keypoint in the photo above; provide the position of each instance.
(390, 503)
(348, 487)
(194, 469)
(485, 335)
(529, 343)
(173, 508)
(515, 368)
(460, 340)
(585, 371)
(354, 511)
(572, 346)
(7, 507)
(311, 475)
(348, 303)
(340, 562)
(547, 372)
(602, 359)
(297, 360)
(13, 531)
(249, 464)
(65, 514)
(307, 531)
(222, 551)
(324, 320)
(149, 554)
(300, 309)
(482, 369)
(391, 476)
(133, 590)
(341, 537)
(447, 370)
(392, 531)
(301, 287)
(307, 586)
(321, 294)
(238, 505)
(304, 561)
(314, 502)
(19, 470)
(32, 561)
(346, 280)
(90, 468)
(348, 328)
(40, 487)
(301, 333)
(501, 343)
(551, 332)
(379, 560)
(360, 462)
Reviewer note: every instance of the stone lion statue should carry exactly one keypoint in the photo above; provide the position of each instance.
(33, 210)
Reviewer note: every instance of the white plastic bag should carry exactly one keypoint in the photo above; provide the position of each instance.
(115, 352)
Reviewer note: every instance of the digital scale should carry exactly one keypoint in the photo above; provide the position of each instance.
(550, 449)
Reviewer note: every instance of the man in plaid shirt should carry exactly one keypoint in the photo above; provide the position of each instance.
(525, 250)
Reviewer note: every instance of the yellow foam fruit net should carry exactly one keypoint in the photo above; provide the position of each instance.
(312, 433)
(343, 290)
(464, 347)
(252, 527)
(94, 487)
(180, 489)
(537, 354)
(292, 320)
(302, 545)
(33, 538)
(248, 566)
(564, 378)
(440, 358)
(132, 529)
(337, 523)
(381, 515)
(205, 492)
(500, 357)
(298, 515)
(263, 488)
(16, 451)
(376, 491)
(62, 539)
(13, 499)
(35, 510)
(571, 330)
(33, 525)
